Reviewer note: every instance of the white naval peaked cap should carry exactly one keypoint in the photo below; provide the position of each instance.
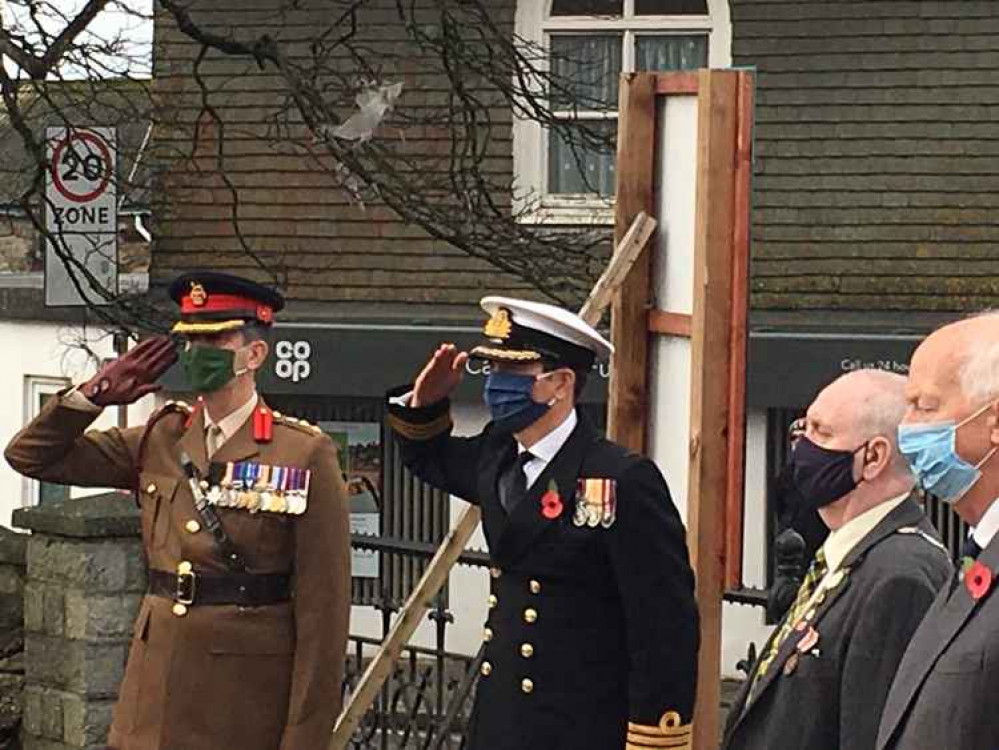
(549, 320)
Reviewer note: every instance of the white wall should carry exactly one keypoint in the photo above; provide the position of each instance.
(45, 350)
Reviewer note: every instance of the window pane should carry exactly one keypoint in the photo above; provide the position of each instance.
(587, 169)
(585, 71)
(587, 7)
(678, 52)
(671, 7)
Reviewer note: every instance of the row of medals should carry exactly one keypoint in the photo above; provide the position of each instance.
(593, 510)
(258, 497)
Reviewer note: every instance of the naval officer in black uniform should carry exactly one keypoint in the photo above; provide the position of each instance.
(592, 633)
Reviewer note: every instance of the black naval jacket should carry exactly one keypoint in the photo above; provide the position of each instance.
(944, 693)
(829, 696)
(592, 634)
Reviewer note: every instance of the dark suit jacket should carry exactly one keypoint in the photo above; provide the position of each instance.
(616, 630)
(831, 700)
(944, 694)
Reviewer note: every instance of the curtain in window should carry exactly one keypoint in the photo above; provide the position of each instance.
(671, 52)
(587, 170)
(586, 69)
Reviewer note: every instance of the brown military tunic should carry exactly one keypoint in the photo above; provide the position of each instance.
(217, 676)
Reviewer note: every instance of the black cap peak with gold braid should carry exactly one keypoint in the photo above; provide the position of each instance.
(212, 302)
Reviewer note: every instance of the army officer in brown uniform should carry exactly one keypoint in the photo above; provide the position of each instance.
(240, 641)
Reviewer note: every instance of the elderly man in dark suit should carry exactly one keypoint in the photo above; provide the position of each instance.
(944, 691)
(822, 678)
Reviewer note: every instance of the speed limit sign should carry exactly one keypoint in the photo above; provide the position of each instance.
(81, 198)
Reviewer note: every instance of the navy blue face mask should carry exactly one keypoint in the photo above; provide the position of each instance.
(508, 396)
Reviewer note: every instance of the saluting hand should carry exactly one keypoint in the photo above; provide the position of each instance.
(133, 375)
(440, 376)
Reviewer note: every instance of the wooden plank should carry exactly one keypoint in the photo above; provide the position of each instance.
(627, 253)
(710, 365)
(670, 323)
(436, 573)
(627, 406)
(676, 83)
(738, 335)
(411, 616)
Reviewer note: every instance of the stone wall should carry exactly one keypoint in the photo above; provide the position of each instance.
(12, 549)
(85, 576)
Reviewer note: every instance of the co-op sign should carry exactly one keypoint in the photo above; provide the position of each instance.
(367, 361)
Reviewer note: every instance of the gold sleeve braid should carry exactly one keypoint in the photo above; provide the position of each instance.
(420, 431)
(670, 733)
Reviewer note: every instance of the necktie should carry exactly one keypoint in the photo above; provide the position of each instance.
(513, 482)
(816, 573)
(213, 440)
(971, 548)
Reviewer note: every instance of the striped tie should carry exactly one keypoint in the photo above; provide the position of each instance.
(816, 573)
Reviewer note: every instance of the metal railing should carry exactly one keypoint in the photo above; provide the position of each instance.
(426, 702)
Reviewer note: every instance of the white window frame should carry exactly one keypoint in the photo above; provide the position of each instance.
(530, 141)
(36, 386)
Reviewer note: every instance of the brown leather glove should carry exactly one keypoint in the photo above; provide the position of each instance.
(134, 374)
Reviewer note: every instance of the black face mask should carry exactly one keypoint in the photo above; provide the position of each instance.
(822, 476)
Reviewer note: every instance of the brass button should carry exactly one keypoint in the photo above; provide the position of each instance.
(527, 685)
(495, 572)
(486, 669)
(535, 587)
(526, 650)
(179, 610)
(487, 635)
(530, 615)
(185, 567)
(493, 601)
(193, 526)
(151, 488)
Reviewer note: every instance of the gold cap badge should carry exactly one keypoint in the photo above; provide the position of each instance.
(499, 325)
(198, 294)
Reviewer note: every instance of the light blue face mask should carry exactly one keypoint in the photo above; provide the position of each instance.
(930, 448)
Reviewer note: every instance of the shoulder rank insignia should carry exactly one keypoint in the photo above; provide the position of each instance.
(596, 503)
(261, 488)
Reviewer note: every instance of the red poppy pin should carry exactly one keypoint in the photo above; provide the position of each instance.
(551, 503)
(978, 580)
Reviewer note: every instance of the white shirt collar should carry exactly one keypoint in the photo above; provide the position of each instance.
(843, 540)
(231, 423)
(987, 526)
(546, 448)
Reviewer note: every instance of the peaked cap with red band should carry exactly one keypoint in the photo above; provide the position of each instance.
(212, 302)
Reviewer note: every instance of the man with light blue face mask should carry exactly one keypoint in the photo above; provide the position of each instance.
(592, 634)
(943, 692)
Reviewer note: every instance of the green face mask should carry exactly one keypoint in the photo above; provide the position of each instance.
(208, 368)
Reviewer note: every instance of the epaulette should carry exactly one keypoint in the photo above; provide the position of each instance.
(298, 424)
(170, 407)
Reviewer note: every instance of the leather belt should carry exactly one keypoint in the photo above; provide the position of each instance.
(243, 589)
